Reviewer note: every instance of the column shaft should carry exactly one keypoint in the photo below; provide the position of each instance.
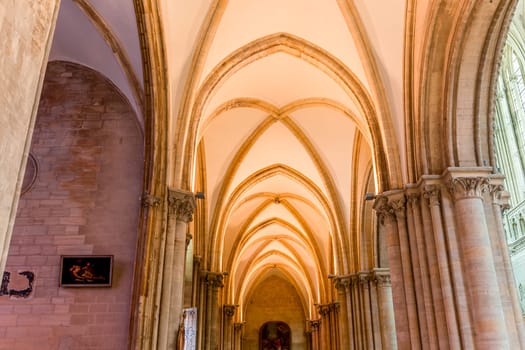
(488, 321)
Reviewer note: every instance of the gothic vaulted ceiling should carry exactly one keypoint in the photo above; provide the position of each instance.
(281, 112)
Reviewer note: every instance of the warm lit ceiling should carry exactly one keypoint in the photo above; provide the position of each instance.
(281, 93)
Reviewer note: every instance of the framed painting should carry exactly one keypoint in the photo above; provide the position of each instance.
(86, 270)
(275, 335)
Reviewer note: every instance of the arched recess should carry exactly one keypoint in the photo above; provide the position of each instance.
(89, 147)
(460, 62)
(386, 155)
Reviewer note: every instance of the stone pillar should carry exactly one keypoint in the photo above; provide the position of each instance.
(381, 277)
(213, 281)
(180, 212)
(388, 220)
(480, 278)
(315, 326)
(341, 283)
(228, 312)
(449, 321)
(237, 335)
(513, 315)
(325, 331)
(419, 236)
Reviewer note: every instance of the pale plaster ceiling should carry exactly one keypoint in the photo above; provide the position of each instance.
(284, 139)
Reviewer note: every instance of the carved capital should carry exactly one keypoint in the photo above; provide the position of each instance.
(181, 204)
(342, 283)
(383, 208)
(315, 324)
(500, 196)
(213, 279)
(382, 277)
(468, 187)
(433, 194)
(413, 199)
(399, 207)
(229, 310)
(324, 309)
(237, 326)
(150, 201)
(363, 278)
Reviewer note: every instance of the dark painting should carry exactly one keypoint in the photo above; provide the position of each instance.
(86, 270)
(275, 335)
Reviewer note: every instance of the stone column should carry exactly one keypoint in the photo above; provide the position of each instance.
(500, 202)
(316, 338)
(341, 284)
(326, 338)
(388, 219)
(214, 283)
(364, 288)
(237, 335)
(27, 34)
(181, 206)
(228, 312)
(419, 235)
(381, 277)
(481, 281)
(433, 194)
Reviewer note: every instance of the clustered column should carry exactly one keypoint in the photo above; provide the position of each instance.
(181, 205)
(213, 282)
(449, 263)
(228, 313)
(366, 317)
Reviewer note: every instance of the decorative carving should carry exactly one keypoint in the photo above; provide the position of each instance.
(383, 209)
(468, 187)
(149, 200)
(182, 204)
(364, 278)
(413, 199)
(382, 278)
(237, 326)
(314, 325)
(341, 283)
(229, 310)
(433, 194)
(213, 279)
(500, 196)
(326, 309)
(399, 207)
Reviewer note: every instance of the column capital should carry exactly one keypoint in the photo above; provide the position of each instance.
(498, 193)
(363, 277)
(238, 326)
(466, 182)
(213, 279)
(433, 194)
(381, 277)
(182, 204)
(149, 200)
(314, 324)
(341, 283)
(324, 309)
(391, 204)
(189, 237)
(229, 309)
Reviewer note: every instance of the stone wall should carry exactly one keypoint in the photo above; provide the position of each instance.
(85, 199)
(275, 299)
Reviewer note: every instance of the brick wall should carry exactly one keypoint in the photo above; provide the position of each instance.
(274, 300)
(85, 200)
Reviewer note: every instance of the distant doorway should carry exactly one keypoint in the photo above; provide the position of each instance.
(275, 335)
